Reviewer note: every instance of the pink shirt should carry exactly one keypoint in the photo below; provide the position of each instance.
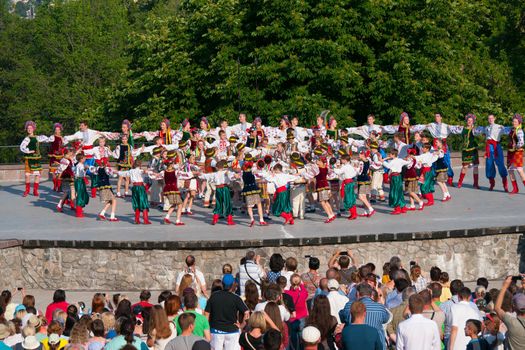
(52, 307)
(299, 297)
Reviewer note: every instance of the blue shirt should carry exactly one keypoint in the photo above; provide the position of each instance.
(3, 346)
(376, 316)
(361, 337)
(393, 299)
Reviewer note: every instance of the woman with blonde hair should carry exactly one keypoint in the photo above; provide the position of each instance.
(253, 339)
(79, 334)
(161, 331)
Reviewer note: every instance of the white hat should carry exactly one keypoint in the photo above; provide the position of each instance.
(311, 335)
(30, 343)
(333, 284)
(53, 339)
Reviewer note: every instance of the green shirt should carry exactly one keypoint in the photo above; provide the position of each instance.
(201, 324)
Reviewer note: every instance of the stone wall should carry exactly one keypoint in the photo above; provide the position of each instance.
(492, 256)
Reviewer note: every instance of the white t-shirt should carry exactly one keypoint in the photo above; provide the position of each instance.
(461, 312)
(198, 273)
(337, 303)
(285, 315)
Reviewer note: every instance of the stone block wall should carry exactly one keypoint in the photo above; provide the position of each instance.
(492, 256)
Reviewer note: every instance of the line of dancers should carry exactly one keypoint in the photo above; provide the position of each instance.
(284, 170)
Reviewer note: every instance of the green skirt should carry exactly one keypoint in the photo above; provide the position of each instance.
(282, 203)
(470, 156)
(139, 198)
(428, 186)
(350, 197)
(33, 163)
(81, 192)
(396, 198)
(223, 202)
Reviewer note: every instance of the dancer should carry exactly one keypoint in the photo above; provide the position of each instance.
(66, 177)
(494, 153)
(222, 177)
(323, 190)
(139, 197)
(396, 198)
(56, 153)
(469, 151)
(172, 194)
(440, 131)
(105, 190)
(81, 194)
(347, 173)
(376, 168)
(252, 194)
(411, 180)
(426, 178)
(100, 152)
(281, 204)
(125, 156)
(441, 168)
(515, 152)
(31, 148)
(363, 182)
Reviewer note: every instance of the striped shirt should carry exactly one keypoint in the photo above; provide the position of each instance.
(376, 316)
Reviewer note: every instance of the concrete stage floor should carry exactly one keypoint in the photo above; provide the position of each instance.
(33, 218)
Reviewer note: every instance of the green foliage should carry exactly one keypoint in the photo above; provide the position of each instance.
(150, 59)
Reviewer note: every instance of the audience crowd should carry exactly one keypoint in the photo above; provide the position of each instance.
(276, 307)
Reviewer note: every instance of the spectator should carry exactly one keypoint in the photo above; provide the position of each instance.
(358, 335)
(253, 340)
(98, 340)
(287, 300)
(109, 325)
(98, 304)
(515, 325)
(251, 295)
(398, 313)
(290, 266)
(461, 312)
(59, 303)
(273, 312)
(4, 333)
(311, 279)
(195, 273)
(273, 294)
(455, 287)
(172, 306)
(225, 311)
(386, 271)
(163, 296)
(472, 329)
(446, 293)
(276, 266)
(272, 340)
(417, 332)
(189, 284)
(28, 301)
(79, 334)
(418, 281)
(31, 343)
(395, 297)
(311, 338)
(160, 330)
(298, 294)
(144, 297)
(126, 337)
(336, 299)
(321, 319)
(492, 333)
(39, 323)
(376, 313)
(202, 326)
(186, 339)
(26, 332)
(432, 311)
(251, 270)
(346, 263)
(54, 341)
(123, 309)
(8, 306)
(227, 269)
(435, 274)
(435, 291)
(483, 282)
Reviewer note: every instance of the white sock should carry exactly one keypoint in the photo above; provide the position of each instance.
(189, 209)
(112, 215)
(420, 204)
(178, 221)
(370, 209)
(167, 217)
(102, 212)
(60, 202)
(118, 194)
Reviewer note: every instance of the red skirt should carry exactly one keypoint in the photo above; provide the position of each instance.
(515, 159)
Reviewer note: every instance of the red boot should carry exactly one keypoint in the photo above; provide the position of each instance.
(386, 179)
(137, 216)
(230, 220)
(492, 184)
(35, 189)
(94, 192)
(291, 221)
(54, 184)
(514, 187)
(430, 199)
(26, 192)
(147, 186)
(396, 211)
(461, 178)
(215, 219)
(145, 217)
(404, 210)
(59, 185)
(505, 184)
(79, 212)
(476, 181)
(353, 213)
(450, 181)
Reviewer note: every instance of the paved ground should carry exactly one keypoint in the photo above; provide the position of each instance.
(32, 218)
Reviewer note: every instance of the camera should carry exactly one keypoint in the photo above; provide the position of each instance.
(343, 253)
(516, 278)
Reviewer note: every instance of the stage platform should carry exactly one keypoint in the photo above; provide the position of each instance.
(35, 222)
